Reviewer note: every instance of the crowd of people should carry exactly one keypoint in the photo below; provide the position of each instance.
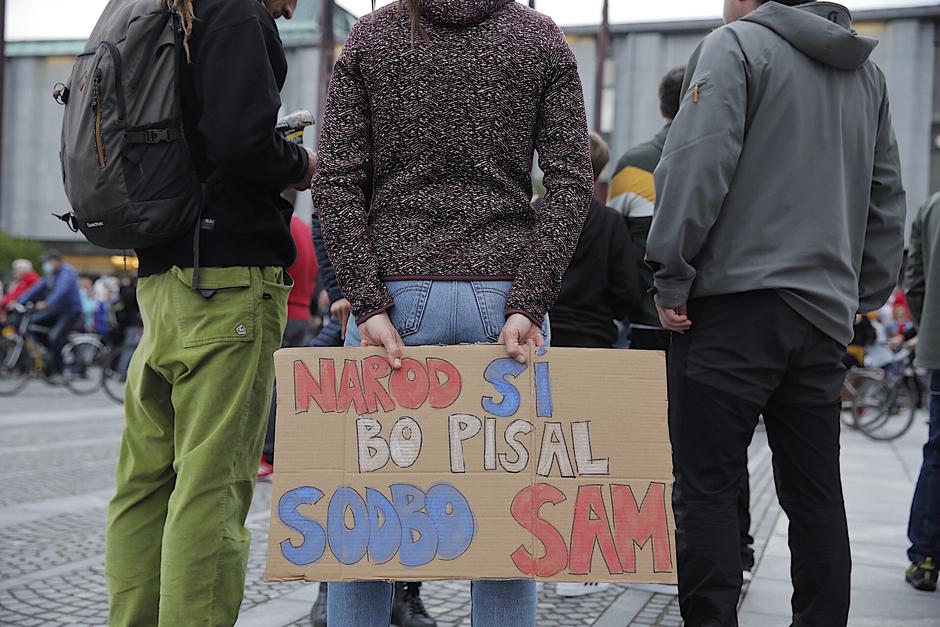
(745, 238)
(65, 302)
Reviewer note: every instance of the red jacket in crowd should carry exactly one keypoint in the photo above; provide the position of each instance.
(304, 271)
(26, 281)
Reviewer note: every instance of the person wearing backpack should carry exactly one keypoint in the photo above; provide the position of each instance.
(199, 385)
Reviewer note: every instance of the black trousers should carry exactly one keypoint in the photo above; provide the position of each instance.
(649, 339)
(746, 355)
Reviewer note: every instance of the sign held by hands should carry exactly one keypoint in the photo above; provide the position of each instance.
(465, 464)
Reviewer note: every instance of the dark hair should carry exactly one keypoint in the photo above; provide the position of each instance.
(184, 12)
(670, 92)
(600, 153)
(414, 14)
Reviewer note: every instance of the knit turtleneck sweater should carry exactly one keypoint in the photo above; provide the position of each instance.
(452, 121)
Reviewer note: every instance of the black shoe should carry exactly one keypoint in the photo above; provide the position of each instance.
(407, 607)
(747, 558)
(318, 611)
(923, 575)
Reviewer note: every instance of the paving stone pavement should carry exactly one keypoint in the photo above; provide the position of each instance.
(59, 453)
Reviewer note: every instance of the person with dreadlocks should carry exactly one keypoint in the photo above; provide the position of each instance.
(200, 382)
(450, 100)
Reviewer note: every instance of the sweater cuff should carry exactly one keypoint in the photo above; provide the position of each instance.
(334, 293)
(361, 319)
(672, 295)
(535, 318)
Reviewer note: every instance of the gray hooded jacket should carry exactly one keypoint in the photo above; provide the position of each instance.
(781, 170)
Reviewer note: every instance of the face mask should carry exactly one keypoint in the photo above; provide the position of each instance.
(46, 267)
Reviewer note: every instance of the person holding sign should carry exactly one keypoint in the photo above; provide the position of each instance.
(779, 216)
(451, 100)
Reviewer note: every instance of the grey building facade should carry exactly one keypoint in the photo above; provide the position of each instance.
(638, 56)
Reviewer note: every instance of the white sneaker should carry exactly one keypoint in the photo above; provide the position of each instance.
(580, 589)
(747, 575)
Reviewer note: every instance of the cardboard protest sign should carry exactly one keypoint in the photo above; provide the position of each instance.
(466, 464)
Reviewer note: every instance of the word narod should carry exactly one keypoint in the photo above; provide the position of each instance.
(420, 526)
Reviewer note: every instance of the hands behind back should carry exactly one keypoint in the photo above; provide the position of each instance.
(518, 334)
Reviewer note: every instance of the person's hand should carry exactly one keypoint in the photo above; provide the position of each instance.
(379, 331)
(41, 305)
(518, 334)
(304, 183)
(340, 310)
(896, 341)
(912, 344)
(676, 320)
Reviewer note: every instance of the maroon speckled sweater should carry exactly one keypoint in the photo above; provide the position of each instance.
(451, 125)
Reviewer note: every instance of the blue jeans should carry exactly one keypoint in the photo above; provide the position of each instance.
(924, 526)
(440, 312)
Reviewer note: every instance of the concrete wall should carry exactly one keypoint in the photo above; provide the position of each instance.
(32, 176)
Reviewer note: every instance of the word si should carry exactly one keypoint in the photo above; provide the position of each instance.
(417, 526)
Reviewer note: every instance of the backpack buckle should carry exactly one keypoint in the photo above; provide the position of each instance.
(157, 135)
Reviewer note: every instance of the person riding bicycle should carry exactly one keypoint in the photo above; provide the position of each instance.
(24, 277)
(58, 304)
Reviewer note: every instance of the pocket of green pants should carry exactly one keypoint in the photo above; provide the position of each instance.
(276, 286)
(226, 313)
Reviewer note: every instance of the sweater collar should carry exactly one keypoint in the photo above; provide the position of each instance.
(460, 12)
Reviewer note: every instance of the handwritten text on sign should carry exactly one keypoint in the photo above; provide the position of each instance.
(465, 463)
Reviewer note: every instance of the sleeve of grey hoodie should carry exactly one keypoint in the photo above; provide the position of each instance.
(887, 211)
(699, 160)
(915, 280)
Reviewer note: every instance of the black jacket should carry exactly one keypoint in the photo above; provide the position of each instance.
(600, 285)
(231, 98)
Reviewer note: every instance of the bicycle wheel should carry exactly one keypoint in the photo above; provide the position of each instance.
(858, 380)
(887, 412)
(14, 374)
(83, 360)
(113, 378)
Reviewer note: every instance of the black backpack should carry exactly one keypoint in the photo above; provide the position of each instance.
(127, 170)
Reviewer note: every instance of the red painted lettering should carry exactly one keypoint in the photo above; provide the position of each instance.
(323, 392)
(375, 368)
(410, 384)
(350, 389)
(635, 526)
(590, 527)
(525, 510)
(443, 394)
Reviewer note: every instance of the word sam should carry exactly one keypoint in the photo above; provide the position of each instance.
(634, 526)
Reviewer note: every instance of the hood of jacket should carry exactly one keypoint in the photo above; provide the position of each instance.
(460, 12)
(820, 30)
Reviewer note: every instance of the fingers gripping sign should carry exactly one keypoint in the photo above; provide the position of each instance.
(518, 335)
(379, 331)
